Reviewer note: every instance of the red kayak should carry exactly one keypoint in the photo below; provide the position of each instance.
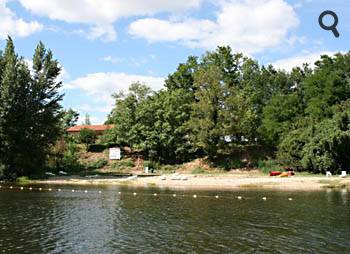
(275, 173)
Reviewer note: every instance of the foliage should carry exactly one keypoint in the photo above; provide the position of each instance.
(198, 170)
(220, 102)
(123, 164)
(267, 166)
(70, 118)
(168, 168)
(151, 164)
(97, 164)
(30, 113)
(87, 137)
(23, 180)
(70, 159)
(87, 120)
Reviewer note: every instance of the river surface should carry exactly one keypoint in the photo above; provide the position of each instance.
(102, 220)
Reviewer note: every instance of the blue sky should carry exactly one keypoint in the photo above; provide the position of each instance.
(103, 46)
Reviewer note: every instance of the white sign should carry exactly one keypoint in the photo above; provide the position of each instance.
(114, 153)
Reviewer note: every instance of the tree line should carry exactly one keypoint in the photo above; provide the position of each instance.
(215, 106)
(221, 103)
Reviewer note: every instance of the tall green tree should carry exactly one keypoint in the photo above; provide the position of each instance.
(30, 112)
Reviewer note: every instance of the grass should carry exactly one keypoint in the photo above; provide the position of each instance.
(123, 164)
(23, 180)
(267, 166)
(198, 170)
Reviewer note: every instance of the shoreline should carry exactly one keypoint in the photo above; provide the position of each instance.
(210, 182)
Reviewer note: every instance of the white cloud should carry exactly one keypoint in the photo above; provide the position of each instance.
(102, 14)
(100, 86)
(10, 24)
(297, 61)
(248, 26)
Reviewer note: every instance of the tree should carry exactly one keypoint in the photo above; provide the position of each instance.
(87, 137)
(70, 118)
(206, 123)
(29, 109)
(87, 120)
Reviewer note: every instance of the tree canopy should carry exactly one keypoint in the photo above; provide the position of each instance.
(214, 104)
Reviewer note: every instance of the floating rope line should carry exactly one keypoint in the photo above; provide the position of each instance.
(174, 195)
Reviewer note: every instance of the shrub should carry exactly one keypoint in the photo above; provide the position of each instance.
(267, 166)
(70, 160)
(122, 164)
(168, 168)
(97, 164)
(22, 180)
(87, 137)
(151, 164)
(231, 163)
(198, 170)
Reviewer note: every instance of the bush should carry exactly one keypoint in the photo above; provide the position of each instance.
(87, 137)
(97, 164)
(97, 148)
(168, 168)
(151, 164)
(267, 166)
(231, 163)
(118, 165)
(23, 180)
(322, 146)
(198, 170)
(70, 160)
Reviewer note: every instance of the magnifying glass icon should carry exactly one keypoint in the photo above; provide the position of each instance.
(332, 27)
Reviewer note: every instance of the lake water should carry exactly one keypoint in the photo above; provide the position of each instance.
(107, 222)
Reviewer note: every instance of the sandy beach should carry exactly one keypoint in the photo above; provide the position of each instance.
(211, 182)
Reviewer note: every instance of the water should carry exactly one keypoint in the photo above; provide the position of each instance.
(77, 222)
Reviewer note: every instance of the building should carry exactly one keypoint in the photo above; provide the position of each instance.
(98, 129)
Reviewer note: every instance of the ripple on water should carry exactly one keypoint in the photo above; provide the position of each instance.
(56, 222)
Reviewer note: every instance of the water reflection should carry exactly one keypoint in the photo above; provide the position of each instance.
(79, 222)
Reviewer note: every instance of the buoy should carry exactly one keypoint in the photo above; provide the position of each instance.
(50, 189)
(264, 198)
(11, 187)
(86, 191)
(134, 193)
(73, 190)
(290, 199)
(40, 189)
(59, 190)
(174, 195)
(239, 197)
(155, 194)
(194, 196)
(119, 193)
(30, 188)
(216, 196)
(21, 188)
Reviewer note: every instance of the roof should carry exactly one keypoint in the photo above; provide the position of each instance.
(91, 127)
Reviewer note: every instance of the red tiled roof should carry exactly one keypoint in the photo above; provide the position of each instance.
(91, 127)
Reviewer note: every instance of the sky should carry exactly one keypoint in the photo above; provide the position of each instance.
(104, 46)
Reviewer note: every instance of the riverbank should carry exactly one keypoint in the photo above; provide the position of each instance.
(210, 182)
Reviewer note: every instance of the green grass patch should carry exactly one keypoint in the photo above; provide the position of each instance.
(198, 170)
(23, 180)
(123, 164)
(266, 166)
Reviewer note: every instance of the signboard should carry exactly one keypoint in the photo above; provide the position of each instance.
(114, 153)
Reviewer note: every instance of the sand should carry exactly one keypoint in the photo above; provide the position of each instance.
(214, 182)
